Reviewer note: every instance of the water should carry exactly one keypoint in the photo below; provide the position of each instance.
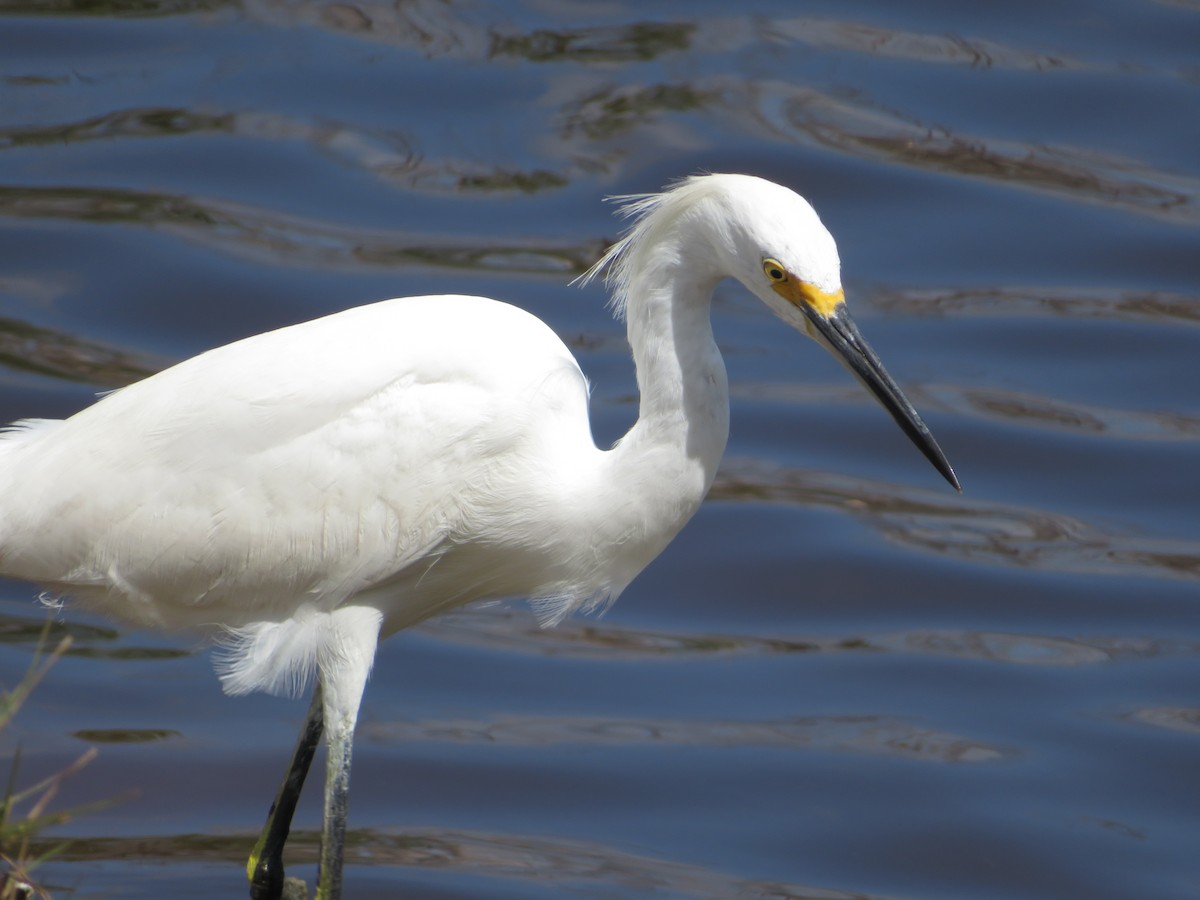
(842, 680)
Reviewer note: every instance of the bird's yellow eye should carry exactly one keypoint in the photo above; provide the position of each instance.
(775, 271)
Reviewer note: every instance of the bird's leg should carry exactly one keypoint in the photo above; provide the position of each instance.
(354, 631)
(265, 868)
(339, 743)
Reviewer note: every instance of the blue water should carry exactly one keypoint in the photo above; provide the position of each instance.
(842, 680)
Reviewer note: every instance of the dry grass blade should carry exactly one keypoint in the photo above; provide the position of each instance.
(16, 833)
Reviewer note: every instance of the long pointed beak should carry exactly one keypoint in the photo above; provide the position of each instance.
(832, 326)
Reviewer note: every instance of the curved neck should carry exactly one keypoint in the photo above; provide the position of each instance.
(661, 470)
(683, 389)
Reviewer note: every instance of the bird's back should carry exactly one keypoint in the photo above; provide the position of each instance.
(301, 466)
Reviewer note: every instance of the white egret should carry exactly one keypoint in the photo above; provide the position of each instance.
(305, 493)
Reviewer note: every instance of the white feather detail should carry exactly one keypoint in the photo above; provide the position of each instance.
(52, 600)
(26, 429)
(277, 657)
(281, 658)
(554, 609)
(620, 262)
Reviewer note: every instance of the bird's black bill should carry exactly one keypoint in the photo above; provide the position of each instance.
(841, 336)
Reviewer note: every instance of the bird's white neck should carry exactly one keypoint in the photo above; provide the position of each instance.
(666, 463)
(684, 393)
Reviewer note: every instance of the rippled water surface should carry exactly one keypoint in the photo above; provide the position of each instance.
(842, 680)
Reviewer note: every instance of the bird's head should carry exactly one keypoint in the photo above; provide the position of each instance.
(772, 241)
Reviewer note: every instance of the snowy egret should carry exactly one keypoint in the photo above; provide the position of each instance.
(305, 493)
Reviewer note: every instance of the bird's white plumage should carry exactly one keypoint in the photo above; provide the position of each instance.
(309, 491)
(405, 456)
(737, 219)
(306, 466)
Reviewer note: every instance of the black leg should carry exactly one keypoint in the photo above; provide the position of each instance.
(265, 868)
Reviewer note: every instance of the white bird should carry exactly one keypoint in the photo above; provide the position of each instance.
(305, 493)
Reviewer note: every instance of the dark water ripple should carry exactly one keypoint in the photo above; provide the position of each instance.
(515, 630)
(1071, 173)
(1069, 303)
(388, 155)
(1182, 719)
(842, 734)
(280, 240)
(961, 528)
(43, 351)
(538, 862)
(1032, 412)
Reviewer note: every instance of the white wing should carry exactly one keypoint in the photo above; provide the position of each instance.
(308, 463)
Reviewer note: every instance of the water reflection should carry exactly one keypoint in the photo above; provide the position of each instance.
(126, 735)
(576, 865)
(124, 123)
(632, 42)
(441, 30)
(512, 628)
(861, 129)
(34, 631)
(962, 528)
(435, 28)
(875, 735)
(87, 641)
(594, 110)
(1119, 828)
(122, 8)
(288, 240)
(1173, 718)
(1034, 411)
(616, 110)
(858, 127)
(388, 154)
(1033, 650)
(1068, 303)
(916, 46)
(43, 351)
(1030, 411)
